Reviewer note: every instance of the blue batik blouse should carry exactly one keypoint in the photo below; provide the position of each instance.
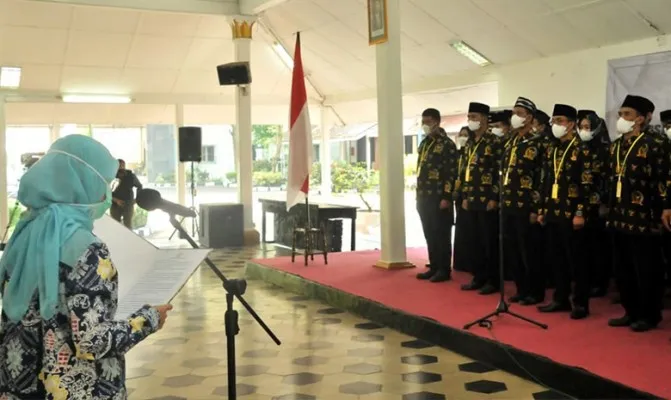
(79, 353)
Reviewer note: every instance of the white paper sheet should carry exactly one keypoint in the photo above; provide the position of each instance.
(147, 275)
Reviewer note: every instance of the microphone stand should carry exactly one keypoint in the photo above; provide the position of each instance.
(235, 288)
(503, 307)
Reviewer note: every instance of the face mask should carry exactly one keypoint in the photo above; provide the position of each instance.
(624, 126)
(461, 140)
(498, 132)
(474, 125)
(516, 121)
(585, 135)
(426, 129)
(668, 132)
(559, 131)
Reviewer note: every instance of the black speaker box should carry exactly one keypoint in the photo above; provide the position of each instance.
(236, 73)
(190, 144)
(221, 225)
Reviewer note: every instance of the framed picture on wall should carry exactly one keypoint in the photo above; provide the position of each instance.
(377, 22)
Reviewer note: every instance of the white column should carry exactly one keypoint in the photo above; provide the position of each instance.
(242, 38)
(368, 155)
(54, 132)
(180, 172)
(390, 141)
(325, 150)
(4, 209)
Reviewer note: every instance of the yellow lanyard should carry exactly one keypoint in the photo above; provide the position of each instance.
(620, 167)
(558, 168)
(425, 151)
(471, 154)
(511, 159)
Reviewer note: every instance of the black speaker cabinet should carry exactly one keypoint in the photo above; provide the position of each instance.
(236, 73)
(190, 144)
(221, 225)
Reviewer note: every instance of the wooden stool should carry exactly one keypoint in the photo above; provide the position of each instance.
(311, 237)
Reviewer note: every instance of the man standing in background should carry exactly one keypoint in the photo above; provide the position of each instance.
(123, 197)
(436, 175)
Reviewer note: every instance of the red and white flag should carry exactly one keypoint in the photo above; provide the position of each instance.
(300, 135)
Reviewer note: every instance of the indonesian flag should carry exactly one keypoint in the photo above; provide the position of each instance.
(300, 135)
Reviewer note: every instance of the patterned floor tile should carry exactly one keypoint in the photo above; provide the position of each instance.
(326, 353)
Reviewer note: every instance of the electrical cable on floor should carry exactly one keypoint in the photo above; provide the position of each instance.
(488, 325)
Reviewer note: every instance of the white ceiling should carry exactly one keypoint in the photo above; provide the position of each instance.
(163, 58)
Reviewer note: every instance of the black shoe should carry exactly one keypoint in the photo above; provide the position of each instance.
(598, 292)
(641, 326)
(488, 289)
(427, 266)
(515, 299)
(530, 301)
(579, 313)
(554, 307)
(474, 285)
(426, 275)
(620, 322)
(440, 276)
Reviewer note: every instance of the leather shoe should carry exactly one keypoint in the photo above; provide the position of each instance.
(426, 275)
(488, 289)
(579, 313)
(472, 286)
(530, 301)
(641, 326)
(554, 307)
(440, 276)
(620, 322)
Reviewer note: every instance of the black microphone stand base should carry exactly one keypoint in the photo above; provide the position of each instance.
(502, 308)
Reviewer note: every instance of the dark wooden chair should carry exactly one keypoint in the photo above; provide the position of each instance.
(312, 238)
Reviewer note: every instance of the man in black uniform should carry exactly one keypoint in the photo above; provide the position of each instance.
(638, 182)
(481, 199)
(436, 175)
(665, 118)
(565, 193)
(499, 122)
(460, 257)
(522, 169)
(123, 198)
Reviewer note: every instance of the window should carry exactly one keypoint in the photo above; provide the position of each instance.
(208, 154)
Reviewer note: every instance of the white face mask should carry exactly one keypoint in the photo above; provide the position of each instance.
(586, 135)
(624, 126)
(668, 132)
(474, 125)
(559, 131)
(426, 129)
(516, 121)
(461, 140)
(498, 132)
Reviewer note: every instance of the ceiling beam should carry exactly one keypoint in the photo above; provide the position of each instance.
(214, 7)
(253, 7)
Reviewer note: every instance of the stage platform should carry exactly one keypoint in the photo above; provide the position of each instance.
(586, 359)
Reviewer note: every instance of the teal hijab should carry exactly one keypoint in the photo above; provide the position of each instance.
(64, 192)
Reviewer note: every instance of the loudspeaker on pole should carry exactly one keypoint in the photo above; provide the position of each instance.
(190, 139)
(236, 73)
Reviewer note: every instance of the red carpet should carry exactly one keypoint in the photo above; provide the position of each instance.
(638, 360)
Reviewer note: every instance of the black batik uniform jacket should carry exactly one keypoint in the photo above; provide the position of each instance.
(575, 182)
(522, 167)
(636, 203)
(480, 177)
(437, 167)
(459, 194)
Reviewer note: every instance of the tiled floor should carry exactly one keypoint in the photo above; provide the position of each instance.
(326, 354)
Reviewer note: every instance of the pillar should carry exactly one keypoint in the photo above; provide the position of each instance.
(390, 143)
(180, 171)
(4, 209)
(368, 153)
(54, 132)
(325, 150)
(242, 27)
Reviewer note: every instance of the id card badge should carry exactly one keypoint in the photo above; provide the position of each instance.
(555, 191)
(457, 184)
(468, 175)
(618, 189)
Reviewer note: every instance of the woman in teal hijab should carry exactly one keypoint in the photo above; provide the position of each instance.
(59, 338)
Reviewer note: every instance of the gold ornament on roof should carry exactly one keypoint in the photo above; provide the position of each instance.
(242, 29)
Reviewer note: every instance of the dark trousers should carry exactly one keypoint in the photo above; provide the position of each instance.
(639, 276)
(437, 227)
(666, 254)
(461, 240)
(123, 214)
(599, 256)
(567, 252)
(521, 253)
(484, 245)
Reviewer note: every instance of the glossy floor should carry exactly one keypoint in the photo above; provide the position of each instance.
(326, 353)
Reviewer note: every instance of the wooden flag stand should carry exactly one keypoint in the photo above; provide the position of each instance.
(311, 238)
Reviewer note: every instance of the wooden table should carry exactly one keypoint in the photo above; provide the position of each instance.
(320, 214)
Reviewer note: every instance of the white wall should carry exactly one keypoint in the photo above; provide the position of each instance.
(579, 78)
(218, 136)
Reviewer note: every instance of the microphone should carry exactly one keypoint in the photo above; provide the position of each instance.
(150, 200)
